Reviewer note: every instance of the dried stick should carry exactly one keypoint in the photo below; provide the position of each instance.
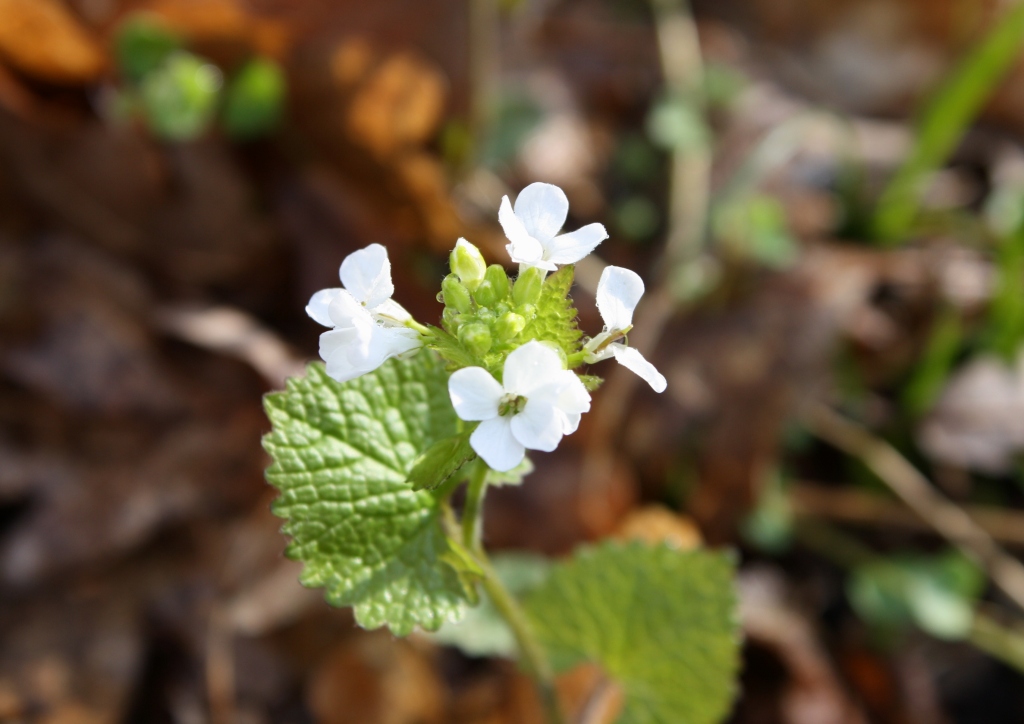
(948, 519)
(689, 193)
(843, 505)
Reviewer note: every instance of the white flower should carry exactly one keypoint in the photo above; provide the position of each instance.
(540, 212)
(368, 326)
(618, 293)
(537, 403)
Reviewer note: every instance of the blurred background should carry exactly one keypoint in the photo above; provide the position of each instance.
(825, 199)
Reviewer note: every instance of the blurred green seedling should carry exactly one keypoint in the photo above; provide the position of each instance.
(937, 594)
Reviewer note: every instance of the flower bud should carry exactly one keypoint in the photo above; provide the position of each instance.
(468, 264)
(509, 326)
(493, 288)
(528, 286)
(455, 294)
(499, 280)
(450, 319)
(476, 337)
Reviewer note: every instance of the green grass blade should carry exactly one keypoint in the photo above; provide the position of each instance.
(943, 122)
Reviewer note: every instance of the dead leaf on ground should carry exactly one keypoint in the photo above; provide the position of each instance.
(41, 38)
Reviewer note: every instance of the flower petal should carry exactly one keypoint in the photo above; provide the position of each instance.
(494, 442)
(523, 248)
(335, 339)
(570, 422)
(391, 342)
(570, 248)
(618, 293)
(542, 208)
(573, 397)
(391, 313)
(475, 394)
(530, 367)
(635, 362)
(345, 311)
(319, 303)
(367, 275)
(538, 426)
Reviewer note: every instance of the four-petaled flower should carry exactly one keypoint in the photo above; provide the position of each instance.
(618, 293)
(536, 403)
(540, 212)
(368, 326)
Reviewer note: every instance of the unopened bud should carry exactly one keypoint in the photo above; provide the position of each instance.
(528, 286)
(468, 264)
(509, 326)
(455, 294)
(450, 319)
(499, 280)
(476, 337)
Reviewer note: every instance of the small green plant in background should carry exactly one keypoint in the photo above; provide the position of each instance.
(179, 96)
(370, 447)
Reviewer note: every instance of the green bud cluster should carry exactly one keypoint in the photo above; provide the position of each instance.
(483, 309)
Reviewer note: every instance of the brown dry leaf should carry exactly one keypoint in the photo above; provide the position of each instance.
(43, 39)
(423, 177)
(558, 507)
(814, 694)
(374, 679)
(656, 524)
(397, 106)
(223, 22)
(588, 695)
(74, 657)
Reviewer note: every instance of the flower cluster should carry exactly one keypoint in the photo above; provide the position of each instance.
(513, 346)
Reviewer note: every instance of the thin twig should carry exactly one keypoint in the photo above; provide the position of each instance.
(1001, 641)
(860, 508)
(949, 520)
(688, 195)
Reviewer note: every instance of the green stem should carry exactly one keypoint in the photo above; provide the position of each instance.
(413, 324)
(472, 524)
(532, 656)
(1002, 642)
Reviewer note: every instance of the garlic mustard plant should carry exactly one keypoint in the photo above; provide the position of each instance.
(618, 293)
(533, 407)
(368, 326)
(532, 228)
(370, 448)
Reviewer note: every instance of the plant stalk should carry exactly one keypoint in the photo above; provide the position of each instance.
(472, 518)
(532, 656)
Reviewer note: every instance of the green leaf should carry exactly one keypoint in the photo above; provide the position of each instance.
(660, 621)
(483, 632)
(510, 477)
(141, 44)
(450, 348)
(342, 454)
(937, 593)
(179, 98)
(556, 317)
(944, 121)
(254, 101)
(440, 461)
(591, 382)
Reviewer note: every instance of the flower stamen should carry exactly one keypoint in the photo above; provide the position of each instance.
(511, 404)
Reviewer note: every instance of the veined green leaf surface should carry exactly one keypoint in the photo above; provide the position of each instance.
(661, 622)
(342, 454)
(556, 317)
